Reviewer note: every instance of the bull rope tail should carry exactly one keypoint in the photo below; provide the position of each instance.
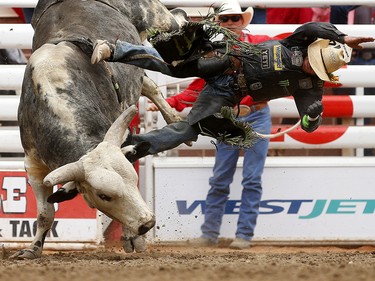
(278, 134)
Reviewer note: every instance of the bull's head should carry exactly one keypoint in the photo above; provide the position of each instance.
(107, 180)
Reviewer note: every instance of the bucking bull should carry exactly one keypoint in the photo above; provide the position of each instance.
(73, 115)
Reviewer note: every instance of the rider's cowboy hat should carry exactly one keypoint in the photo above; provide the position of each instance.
(232, 7)
(326, 57)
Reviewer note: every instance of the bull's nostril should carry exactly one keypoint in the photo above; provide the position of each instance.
(146, 227)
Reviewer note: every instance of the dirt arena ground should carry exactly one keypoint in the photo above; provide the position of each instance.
(177, 262)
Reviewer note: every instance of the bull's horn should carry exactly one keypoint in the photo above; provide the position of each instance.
(180, 16)
(69, 172)
(116, 132)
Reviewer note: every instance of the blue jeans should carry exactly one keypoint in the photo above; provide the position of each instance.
(223, 172)
(211, 99)
(167, 137)
(141, 56)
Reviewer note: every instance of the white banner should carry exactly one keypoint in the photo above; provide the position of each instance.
(63, 230)
(306, 199)
(74, 220)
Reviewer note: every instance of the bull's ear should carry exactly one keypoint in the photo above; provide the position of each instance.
(180, 16)
(67, 192)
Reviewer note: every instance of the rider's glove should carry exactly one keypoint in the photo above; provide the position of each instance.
(313, 117)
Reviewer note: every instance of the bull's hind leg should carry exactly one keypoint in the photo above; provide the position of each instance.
(152, 91)
(45, 211)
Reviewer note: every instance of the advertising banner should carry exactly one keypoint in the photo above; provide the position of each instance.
(74, 220)
(303, 200)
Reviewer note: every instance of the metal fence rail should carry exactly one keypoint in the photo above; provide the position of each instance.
(243, 3)
(20, 36)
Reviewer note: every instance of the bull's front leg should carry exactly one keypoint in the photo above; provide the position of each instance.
(45, 216)
(132, 244)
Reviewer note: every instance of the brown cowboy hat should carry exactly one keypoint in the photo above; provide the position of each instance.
(325, 57)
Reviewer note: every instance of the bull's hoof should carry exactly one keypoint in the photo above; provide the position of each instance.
(135, 244)
(27, 254)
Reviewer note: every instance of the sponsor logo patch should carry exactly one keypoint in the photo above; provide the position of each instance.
(297, 58)
(284, 83)
(278, 62)
(305, 83)
(265, 58)
(256, 86)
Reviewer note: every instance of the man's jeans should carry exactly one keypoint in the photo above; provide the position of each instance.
(167, 137)
(223, 171)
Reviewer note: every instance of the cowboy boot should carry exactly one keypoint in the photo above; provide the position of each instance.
(140, 150)
(103, 50)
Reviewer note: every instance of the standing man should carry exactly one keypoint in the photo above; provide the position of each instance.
(257, 114)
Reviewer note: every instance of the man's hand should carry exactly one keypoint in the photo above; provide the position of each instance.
(315, 109)
(312, 119)
(103, 50)
(354, 42)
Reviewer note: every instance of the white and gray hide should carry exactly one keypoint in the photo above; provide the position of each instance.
(73, 115)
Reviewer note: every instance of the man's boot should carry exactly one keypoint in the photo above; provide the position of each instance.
(103, 50)
(141, 150)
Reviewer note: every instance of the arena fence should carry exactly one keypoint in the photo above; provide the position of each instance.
(243, 3)
(176, 187)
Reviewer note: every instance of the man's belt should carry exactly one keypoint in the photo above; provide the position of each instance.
(245, 110)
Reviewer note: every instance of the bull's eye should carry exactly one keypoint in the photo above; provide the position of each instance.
(104, 197)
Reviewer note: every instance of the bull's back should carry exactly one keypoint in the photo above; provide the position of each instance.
(75, 20)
